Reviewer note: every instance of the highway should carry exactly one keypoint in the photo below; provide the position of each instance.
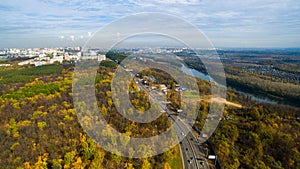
(191, 149)
(192, 155)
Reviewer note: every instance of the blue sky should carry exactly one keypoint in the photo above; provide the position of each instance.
(227, 23)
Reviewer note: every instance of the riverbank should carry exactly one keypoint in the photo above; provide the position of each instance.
(239, 90)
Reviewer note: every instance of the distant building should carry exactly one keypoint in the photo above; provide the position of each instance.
(101, 58)
(42, 55)
(79, 54)
(40, 63)
(67, 56)
(4, 65)
(26, 62)
(57, 59)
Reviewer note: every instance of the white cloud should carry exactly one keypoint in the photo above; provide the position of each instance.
(226, 14)
(189, 2)
(47, 18)
(72, 37)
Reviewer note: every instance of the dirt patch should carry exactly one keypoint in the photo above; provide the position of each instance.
(209, 100)
(221, 100)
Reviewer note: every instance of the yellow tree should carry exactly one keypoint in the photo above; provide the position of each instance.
(97, 161)
(167, 166)
(128, 165)
(146, 164)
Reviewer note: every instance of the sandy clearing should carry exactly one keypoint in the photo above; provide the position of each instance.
(220, 100)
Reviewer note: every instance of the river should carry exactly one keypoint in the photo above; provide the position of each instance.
(196, 73)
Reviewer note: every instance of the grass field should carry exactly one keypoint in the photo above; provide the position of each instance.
(176, 163)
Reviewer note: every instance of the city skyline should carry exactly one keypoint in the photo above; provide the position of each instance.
(54, 23)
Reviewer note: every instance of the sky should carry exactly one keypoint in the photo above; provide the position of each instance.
(226, 23)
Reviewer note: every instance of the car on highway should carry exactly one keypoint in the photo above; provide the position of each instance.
(163, 111)
(201, 160)
(191, 160)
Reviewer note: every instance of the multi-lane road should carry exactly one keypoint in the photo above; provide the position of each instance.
(191, 150)
(192, 155)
